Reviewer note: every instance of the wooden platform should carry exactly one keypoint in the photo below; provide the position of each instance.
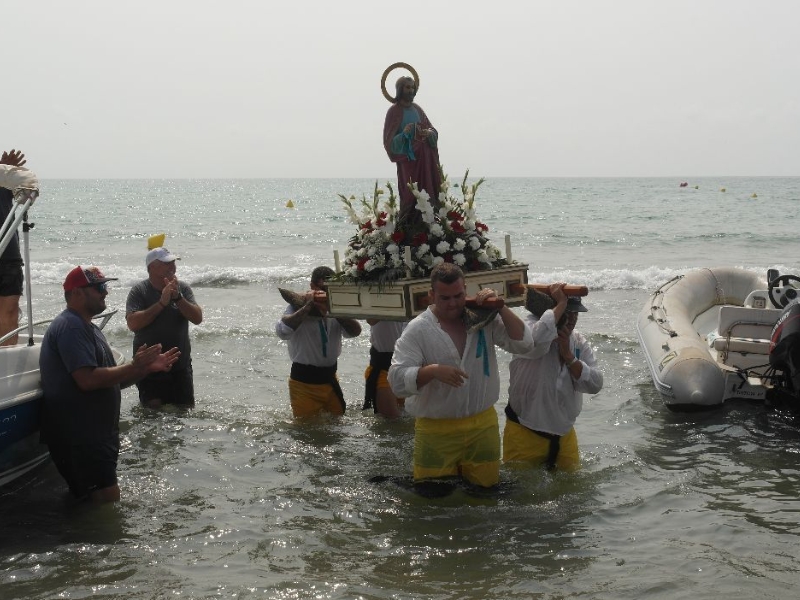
(409, 297)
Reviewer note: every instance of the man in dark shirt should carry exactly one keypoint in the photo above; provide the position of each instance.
(81, 385)
(11, 278)
(158, 311)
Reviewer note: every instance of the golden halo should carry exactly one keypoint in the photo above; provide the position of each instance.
(389, 69)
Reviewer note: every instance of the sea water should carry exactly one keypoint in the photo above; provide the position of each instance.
(235, 499)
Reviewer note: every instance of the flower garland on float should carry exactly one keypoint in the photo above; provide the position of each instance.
(385, 249)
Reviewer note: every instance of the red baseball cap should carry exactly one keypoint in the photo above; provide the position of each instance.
(84, 277)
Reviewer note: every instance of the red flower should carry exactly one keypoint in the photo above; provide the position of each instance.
(380, 223)
(457, 227)
(481, 226)
(455, 215)
(398, 236)
(448, 257)
(361, 263)
(367, 225)
(419, 239)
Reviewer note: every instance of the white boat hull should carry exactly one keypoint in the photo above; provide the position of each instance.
(20, 397)
(706, 335)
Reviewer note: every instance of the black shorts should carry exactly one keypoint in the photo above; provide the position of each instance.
(11, 279)
(86, 467)
(173, 387)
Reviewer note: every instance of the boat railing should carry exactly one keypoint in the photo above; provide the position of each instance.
(104, 318)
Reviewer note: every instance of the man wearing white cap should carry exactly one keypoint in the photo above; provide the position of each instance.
(81, 388)
(158, 311)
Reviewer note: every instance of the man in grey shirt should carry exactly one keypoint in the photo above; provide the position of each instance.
(158, 311)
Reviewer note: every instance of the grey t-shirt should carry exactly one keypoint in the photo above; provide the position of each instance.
(170, 328)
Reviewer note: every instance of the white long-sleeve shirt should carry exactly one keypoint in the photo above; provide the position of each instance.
(384, 334)
(542, 391)
(317, 341)
(424, 342)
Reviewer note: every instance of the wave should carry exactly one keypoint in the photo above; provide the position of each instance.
(296, 275)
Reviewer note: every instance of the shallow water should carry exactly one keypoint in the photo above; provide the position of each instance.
(236, 499)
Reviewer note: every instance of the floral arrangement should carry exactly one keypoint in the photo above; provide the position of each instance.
(385, 248)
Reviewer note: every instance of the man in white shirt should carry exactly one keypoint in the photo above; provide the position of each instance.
(315, 343)
(547, 384)
(451, 373)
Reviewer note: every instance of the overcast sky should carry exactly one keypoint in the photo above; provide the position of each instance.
(183, 89)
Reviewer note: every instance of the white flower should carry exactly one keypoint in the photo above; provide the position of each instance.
(474, 242)
(469, 224)
(370, 265)
(422, 250)
(436, 230)
(459, 259)
(393, 248)
(397, 261)
(459, 245)
(483, 257)
(428, 217)
(353, 216)
(442, 247)
(437, 260)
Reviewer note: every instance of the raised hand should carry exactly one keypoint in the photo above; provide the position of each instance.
(13, 157)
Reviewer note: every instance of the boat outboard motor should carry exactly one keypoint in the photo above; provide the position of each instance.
(784, 355)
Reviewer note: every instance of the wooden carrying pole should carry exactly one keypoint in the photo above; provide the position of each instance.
(544, 288)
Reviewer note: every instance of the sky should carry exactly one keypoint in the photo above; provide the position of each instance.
(530, 88)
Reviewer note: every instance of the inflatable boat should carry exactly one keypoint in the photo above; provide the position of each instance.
(707, 335)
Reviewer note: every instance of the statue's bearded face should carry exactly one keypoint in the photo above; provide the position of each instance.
(406, 89)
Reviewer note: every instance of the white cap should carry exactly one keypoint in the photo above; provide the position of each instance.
(160, 254)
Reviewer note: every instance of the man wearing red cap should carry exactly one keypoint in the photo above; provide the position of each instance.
(81, 384)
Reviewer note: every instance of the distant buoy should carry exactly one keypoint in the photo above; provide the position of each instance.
(754, 195)
(721, 189)
(697, 187)
(683, 184)
(290, 204)
(156, 241)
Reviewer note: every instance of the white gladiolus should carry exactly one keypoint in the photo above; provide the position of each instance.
(353, 216)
